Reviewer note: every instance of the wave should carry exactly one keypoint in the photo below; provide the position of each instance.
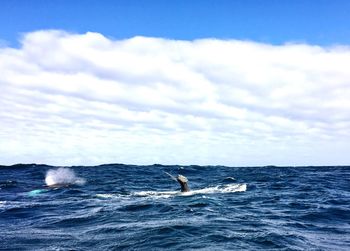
(3, 203)
(229, 179)
(107, 195)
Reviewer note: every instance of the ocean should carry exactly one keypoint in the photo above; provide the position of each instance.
(129, 207)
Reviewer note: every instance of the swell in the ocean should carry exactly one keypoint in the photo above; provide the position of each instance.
(117, 207)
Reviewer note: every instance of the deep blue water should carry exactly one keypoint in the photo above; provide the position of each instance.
(123, 207)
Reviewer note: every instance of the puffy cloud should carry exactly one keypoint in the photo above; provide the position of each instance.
(86, 99)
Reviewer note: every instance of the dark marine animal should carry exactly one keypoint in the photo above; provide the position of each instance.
(183, 183)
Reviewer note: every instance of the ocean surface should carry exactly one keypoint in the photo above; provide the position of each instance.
(126, 207)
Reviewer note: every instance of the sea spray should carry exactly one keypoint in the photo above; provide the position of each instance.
(62, 176)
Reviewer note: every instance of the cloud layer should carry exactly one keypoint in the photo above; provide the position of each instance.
(86, 99)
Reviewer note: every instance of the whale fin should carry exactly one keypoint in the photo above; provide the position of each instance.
(183, 183)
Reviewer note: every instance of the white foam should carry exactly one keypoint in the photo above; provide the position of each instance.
(62, 176)
(105, 195)
(231, 188)
(154, 194)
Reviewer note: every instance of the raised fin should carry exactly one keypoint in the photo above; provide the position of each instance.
(183, 182)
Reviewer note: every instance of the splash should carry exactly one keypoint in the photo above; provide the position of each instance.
(62, 176)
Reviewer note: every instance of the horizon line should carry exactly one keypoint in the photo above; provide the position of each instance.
(167, 165)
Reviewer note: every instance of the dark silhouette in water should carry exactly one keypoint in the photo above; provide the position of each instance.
(182, 180)
(183, 183)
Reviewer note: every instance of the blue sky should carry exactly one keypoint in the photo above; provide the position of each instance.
(317, 22)
(237, 83)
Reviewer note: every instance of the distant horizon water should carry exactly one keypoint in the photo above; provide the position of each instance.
(165, 165)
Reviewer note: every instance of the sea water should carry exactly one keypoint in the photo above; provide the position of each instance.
(128, 207)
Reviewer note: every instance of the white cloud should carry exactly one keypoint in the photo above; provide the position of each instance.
(85, 99)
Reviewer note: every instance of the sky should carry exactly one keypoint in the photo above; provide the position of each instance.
(236, 83)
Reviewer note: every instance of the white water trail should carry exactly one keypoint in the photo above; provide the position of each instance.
(231, 188)
(62, 176)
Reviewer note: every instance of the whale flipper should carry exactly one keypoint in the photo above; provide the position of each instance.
(183, 183)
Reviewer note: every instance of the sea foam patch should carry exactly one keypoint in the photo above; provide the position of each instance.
(230, 188)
